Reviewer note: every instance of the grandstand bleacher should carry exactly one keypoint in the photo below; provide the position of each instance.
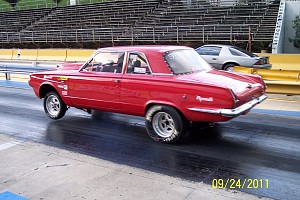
(141, 21)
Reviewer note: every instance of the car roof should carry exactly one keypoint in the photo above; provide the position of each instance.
(217, 45)
(145, 48)
(154, 54)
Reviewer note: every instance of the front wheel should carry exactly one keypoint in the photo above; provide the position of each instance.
(164, 124)
(54, 106)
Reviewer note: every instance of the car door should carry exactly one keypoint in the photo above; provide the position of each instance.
(97, 85)
(136, 84)
(211, 55)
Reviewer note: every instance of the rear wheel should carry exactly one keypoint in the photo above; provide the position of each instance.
(164, 124)
(54, 106)
(229, 67)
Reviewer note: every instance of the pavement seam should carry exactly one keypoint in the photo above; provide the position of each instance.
(189, 194)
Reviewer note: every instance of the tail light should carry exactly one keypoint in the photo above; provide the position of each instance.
(259, 62)
(263, 83)
(235, 98)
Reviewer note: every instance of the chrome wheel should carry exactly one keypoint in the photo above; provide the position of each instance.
(163, 124)
(53, 105)
(230, 69)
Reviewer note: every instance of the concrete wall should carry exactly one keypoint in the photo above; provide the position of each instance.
(292, 9)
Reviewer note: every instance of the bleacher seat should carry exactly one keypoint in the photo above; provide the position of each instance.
(142, 20)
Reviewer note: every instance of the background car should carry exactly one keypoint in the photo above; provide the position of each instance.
(225, 57)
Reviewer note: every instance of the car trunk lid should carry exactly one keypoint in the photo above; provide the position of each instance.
(243, 88)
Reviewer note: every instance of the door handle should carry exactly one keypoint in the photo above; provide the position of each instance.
(117, 80)
(214, 59)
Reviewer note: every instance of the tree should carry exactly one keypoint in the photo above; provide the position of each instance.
(296, 26)
(13, 3)
(57, 1)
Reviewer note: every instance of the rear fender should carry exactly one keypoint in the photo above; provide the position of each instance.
(165, 103)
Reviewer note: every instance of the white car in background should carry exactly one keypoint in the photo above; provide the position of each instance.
(225, 57)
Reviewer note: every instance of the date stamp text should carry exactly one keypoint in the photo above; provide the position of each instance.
(233, 183)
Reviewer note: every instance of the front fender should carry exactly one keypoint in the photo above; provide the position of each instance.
(45, 87)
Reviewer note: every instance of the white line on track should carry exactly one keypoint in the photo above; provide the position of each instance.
(10, 144)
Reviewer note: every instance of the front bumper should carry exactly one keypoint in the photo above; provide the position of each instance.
(233, 112)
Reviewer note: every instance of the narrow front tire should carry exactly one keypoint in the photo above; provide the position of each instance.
(54, 106)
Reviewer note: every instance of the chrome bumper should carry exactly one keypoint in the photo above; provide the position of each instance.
(233, 112)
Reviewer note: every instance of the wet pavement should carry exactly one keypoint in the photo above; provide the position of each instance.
(256, 146)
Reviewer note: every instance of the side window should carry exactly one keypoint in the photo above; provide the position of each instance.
(106, 62)
(137, 64)
(213, 51)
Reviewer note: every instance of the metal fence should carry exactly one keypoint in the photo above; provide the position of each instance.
(204, 33)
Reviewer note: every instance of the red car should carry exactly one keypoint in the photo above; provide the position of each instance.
(170, 85)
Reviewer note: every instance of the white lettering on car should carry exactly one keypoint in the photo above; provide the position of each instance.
(208, 99)
(47, 76)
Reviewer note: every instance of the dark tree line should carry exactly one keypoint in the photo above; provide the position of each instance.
(13, 3)
(296, 26)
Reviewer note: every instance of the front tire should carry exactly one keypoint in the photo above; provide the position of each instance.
(164, 124)
(54, 106)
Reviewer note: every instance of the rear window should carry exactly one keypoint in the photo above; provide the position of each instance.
(236, 51)
(185, 61)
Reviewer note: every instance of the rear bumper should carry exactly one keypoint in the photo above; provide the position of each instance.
(233, 112)
(265, 66)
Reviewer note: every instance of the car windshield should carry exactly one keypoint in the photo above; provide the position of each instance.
(239, 50)
(185, 61)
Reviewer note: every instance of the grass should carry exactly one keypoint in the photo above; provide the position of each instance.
(31, 4)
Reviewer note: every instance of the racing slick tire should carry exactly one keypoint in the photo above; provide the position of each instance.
(164, 124)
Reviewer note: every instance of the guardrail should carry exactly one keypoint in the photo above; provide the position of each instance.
(283, 61)
(70, 55)
(278, 81)
(278, 61)
(285, 80)
(9, 68)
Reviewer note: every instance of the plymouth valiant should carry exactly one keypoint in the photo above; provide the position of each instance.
(171, 86)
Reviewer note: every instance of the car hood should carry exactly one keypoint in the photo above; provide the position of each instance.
(236, 82)
(69, 66)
